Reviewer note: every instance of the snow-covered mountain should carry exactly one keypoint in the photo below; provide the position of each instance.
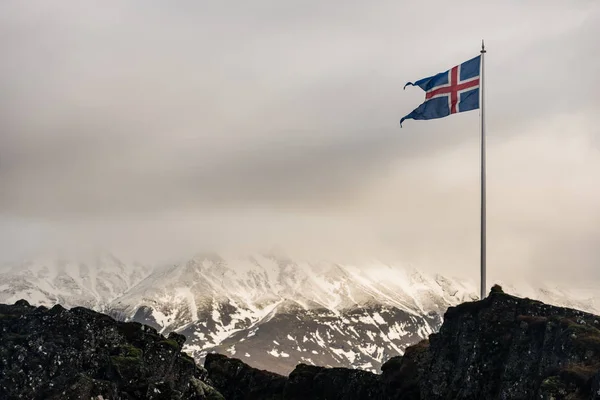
(270, 311)
(278, 312)
(91, 281)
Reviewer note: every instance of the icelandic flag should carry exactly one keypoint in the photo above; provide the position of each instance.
(449, 92)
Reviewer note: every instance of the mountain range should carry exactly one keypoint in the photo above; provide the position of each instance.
(271, 311)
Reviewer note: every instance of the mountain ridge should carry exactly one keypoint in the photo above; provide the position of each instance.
(272, 311)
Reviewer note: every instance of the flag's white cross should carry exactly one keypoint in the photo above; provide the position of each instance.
(453, 89)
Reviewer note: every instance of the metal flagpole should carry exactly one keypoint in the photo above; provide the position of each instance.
(483, 210)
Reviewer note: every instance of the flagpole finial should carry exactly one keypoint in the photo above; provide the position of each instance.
(482, 47)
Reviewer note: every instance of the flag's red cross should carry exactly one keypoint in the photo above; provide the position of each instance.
(453, 88)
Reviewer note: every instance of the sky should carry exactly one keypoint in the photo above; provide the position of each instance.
(158, 129)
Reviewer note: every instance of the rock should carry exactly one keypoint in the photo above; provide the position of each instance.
(236, 380)
(179, 339)
(81, 354)
(319, 383)
(401, 375)
(22, 303)
(506, 347)
(496, 289)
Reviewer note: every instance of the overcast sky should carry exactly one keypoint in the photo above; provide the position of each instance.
(159, 128)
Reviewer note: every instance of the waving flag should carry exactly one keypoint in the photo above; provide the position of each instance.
(449, 92)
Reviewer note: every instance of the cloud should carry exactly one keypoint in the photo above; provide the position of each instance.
(145, 125)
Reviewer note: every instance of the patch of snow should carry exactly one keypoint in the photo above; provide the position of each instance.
(276, 353)
(378, 319)
(348, 355)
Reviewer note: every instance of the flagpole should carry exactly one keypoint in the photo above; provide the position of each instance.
(483, 209)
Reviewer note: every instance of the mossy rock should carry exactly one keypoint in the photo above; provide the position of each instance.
(127, 366)
(187, 359)
(131, 351)
(553, 386)
(170, 343)
(205, 390)
(124, 361)
(584, 337)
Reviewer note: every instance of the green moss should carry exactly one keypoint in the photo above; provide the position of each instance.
(552, 381)
(205, 391)
(584, 336)
(132, 351)
(171, 343)
(129, 359)
(570, 324)
(553, 385)
(122, 362)
(187, 359)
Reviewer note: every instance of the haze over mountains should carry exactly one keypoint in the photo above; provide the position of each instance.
(269, 310)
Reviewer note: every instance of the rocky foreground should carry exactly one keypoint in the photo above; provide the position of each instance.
(81, 354)
(503, 347)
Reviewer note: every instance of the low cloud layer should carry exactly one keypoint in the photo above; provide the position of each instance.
(161, 130)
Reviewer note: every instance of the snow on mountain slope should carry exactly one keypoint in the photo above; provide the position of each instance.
(583, 297)
(362, 337)
(91, 281)
(215, 302)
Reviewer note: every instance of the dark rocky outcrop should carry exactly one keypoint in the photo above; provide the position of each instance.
(80, 354)
(506, 347)
(503, 347)
(240, 381)
(237, 381)
(319, 383)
